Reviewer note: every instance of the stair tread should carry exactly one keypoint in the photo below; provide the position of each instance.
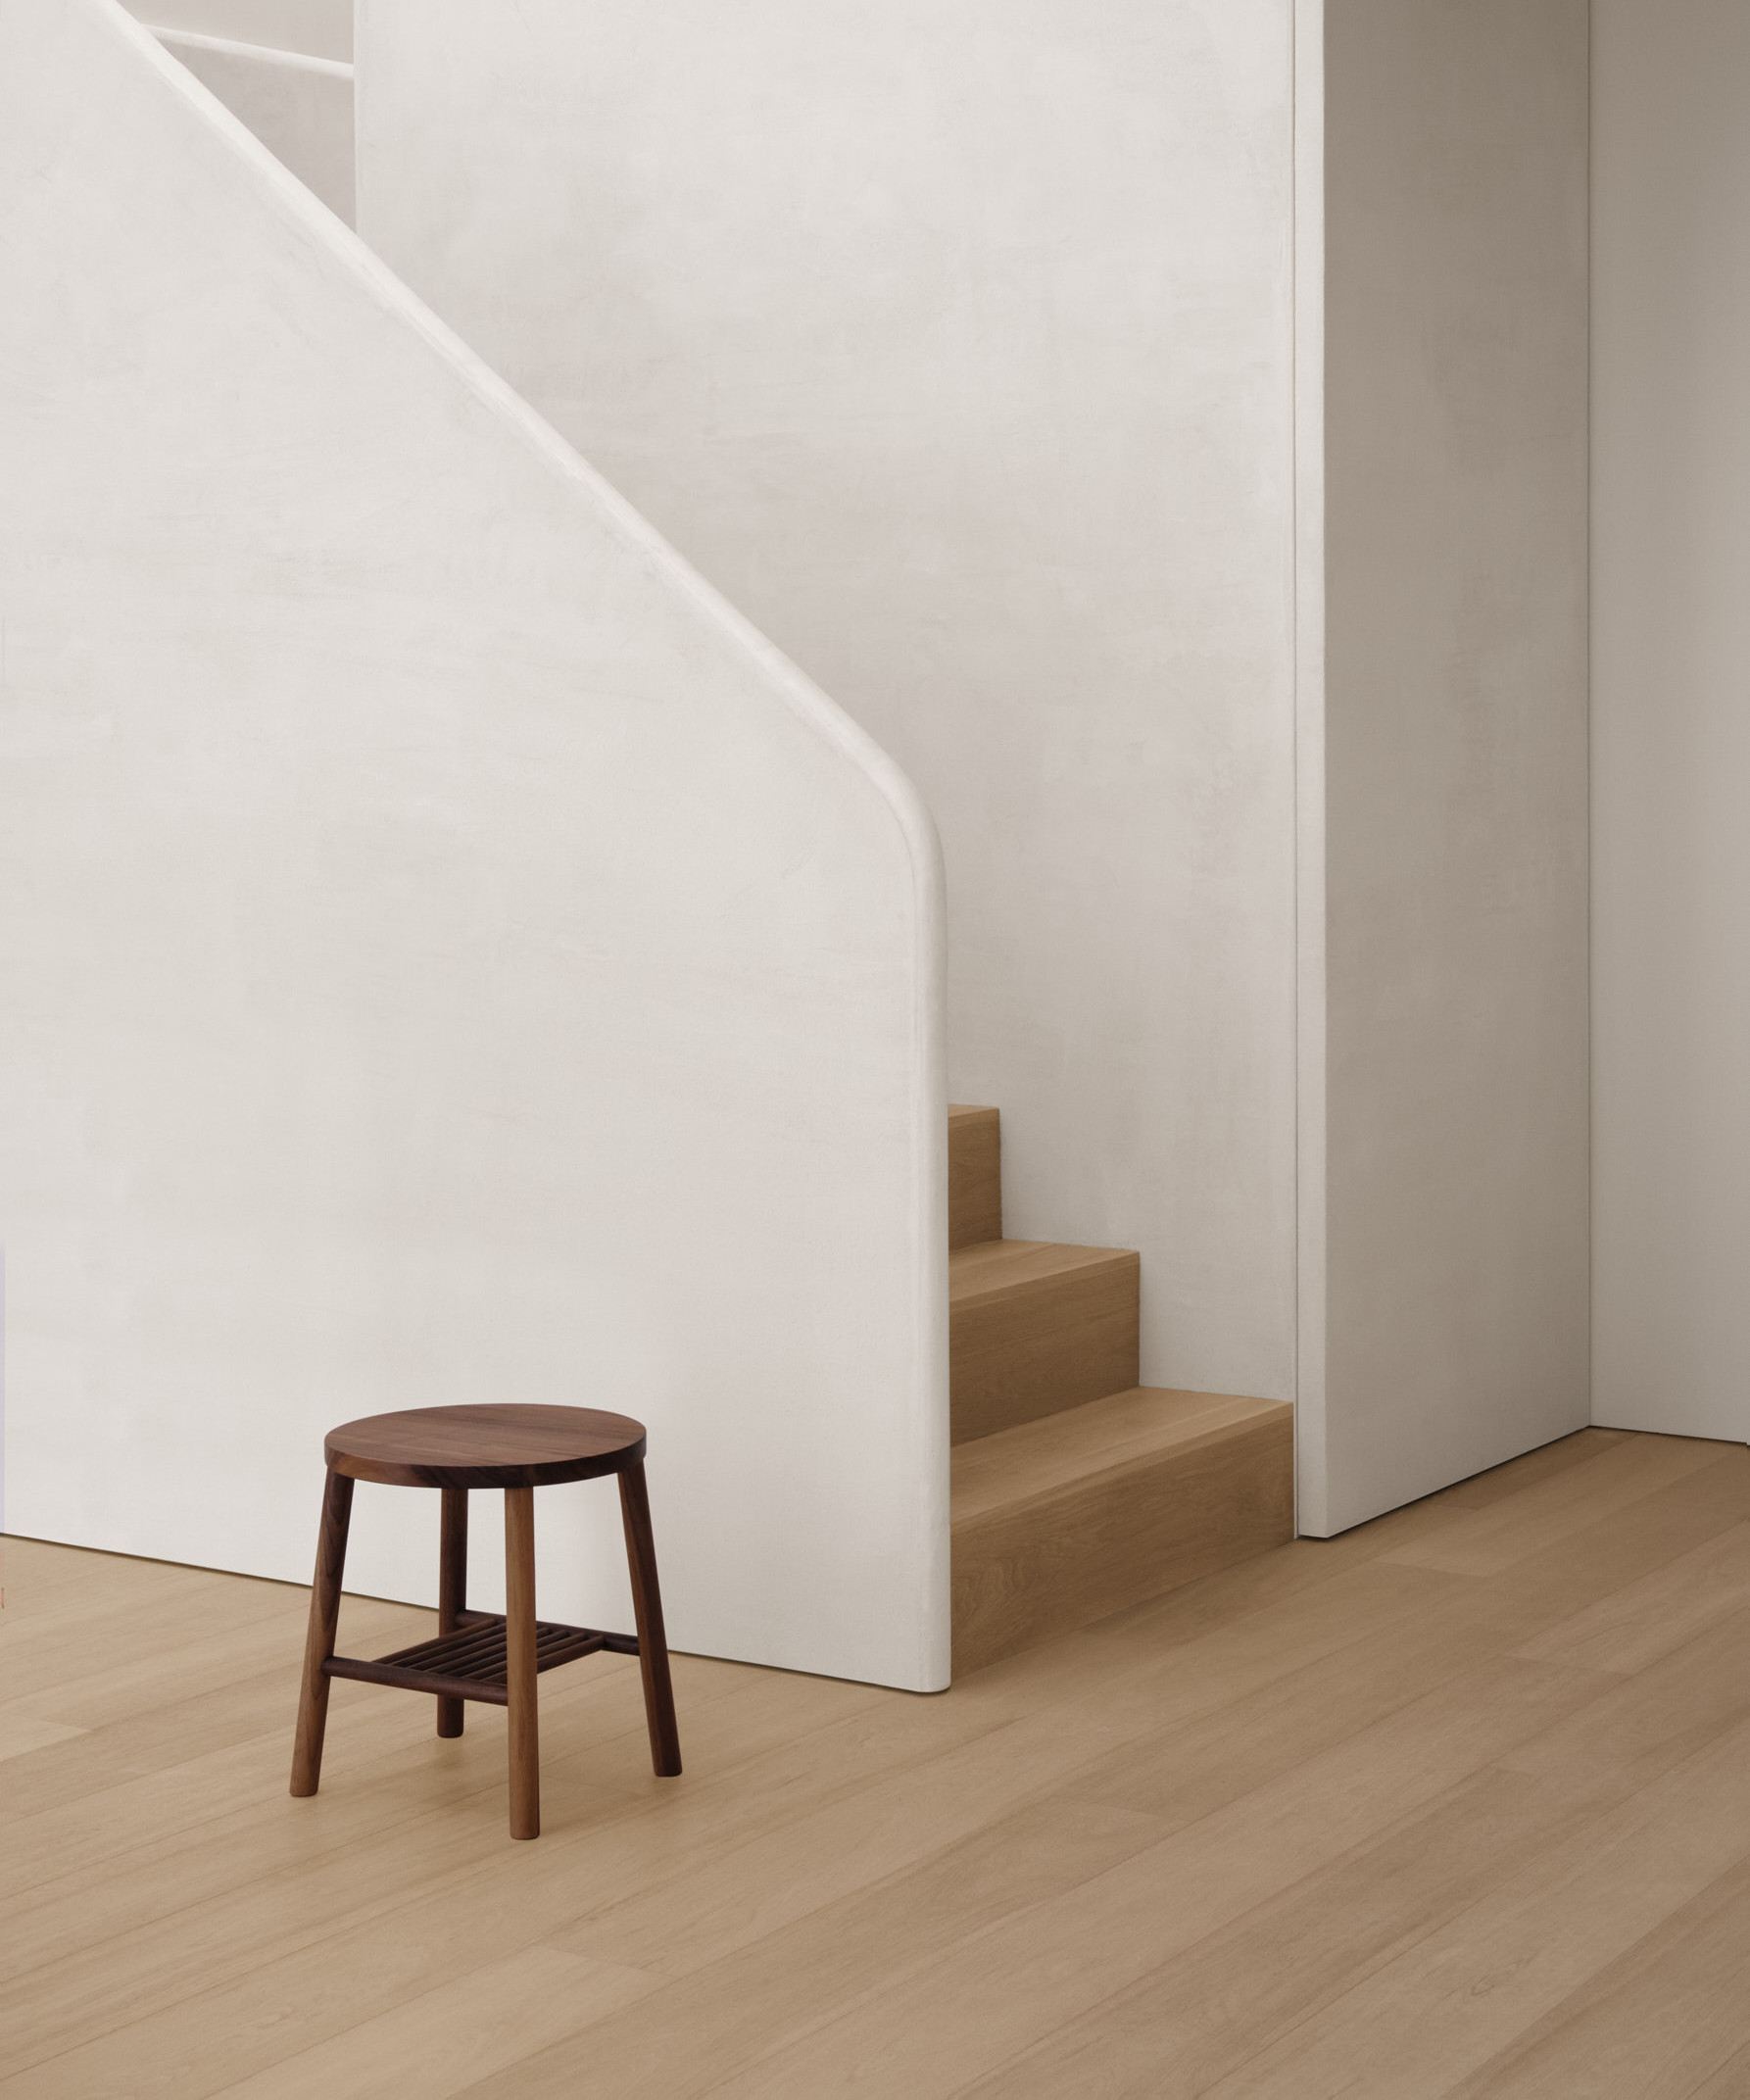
(1056, 1451)
(990, 1267)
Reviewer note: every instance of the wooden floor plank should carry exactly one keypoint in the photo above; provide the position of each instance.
(445, 2040)
(1488, 1540)
(1647, 1619)
(708, 2025)
(1590, 1563)
(1659, 2022)
(1652, 1720)
(22, 1732)
(1457, 1804)
(424, 1821)
(98, 1630)
(1184, 2025)
(811, 1861)
(1421, 2024)
(430, 2042)
(1170, 2034)
(128, 1736)
(1519, 1474)
(1022, 1978)
(42, 1577)
(1730, 2081)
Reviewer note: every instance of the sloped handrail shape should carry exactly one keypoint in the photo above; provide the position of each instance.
(300, 107)
(449, 956)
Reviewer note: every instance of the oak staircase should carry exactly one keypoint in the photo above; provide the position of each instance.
(1077, 1492)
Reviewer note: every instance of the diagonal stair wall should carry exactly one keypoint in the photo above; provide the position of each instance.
(299, 108)
(450, 956)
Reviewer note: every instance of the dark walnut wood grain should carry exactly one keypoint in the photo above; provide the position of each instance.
(453, 1583)
(480, 1655)
(485, 1447)
(652, 1642)
(519, 1661)
(318, 1647)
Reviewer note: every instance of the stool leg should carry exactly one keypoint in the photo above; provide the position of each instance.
(319, 1645)
(519, 1661)
(653, 1644)
(452, 1580)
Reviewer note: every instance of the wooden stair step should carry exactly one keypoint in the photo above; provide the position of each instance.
(974, 1176)
(1036, 1327)
(1063, 1520)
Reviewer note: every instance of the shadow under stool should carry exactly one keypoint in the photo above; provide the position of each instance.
(477, 1654)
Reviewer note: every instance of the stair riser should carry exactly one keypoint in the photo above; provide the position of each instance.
(1043, 1567)
(1043, 1346)
(974, 1176)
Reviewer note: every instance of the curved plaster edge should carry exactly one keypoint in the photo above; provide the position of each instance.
(911, 817)
(259, 54)
(394, 300)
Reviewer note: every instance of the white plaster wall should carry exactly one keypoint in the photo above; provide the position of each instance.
(322, 29)
(301, 109)
(956, 345)
(449, 956)
(1670, 715)
(1453, 943)
(1311, 1445)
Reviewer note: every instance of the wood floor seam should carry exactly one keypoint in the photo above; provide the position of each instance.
(1153, 1858)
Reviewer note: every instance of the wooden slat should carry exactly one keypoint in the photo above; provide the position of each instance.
(1035, 1327)
(974, 1176)
(469, 1662)
(436, 1683)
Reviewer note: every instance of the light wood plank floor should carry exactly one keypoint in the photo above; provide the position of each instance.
(1458, 1805)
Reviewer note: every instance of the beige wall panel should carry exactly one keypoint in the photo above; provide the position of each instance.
(1455, 1101)
(1671, 700)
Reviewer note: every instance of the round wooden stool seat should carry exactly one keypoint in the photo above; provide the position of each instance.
(491, 1656)
(486, 1446)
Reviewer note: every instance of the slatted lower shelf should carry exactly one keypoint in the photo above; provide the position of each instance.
(469, 1663)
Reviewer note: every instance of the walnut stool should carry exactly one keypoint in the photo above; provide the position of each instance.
(477, 1654)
